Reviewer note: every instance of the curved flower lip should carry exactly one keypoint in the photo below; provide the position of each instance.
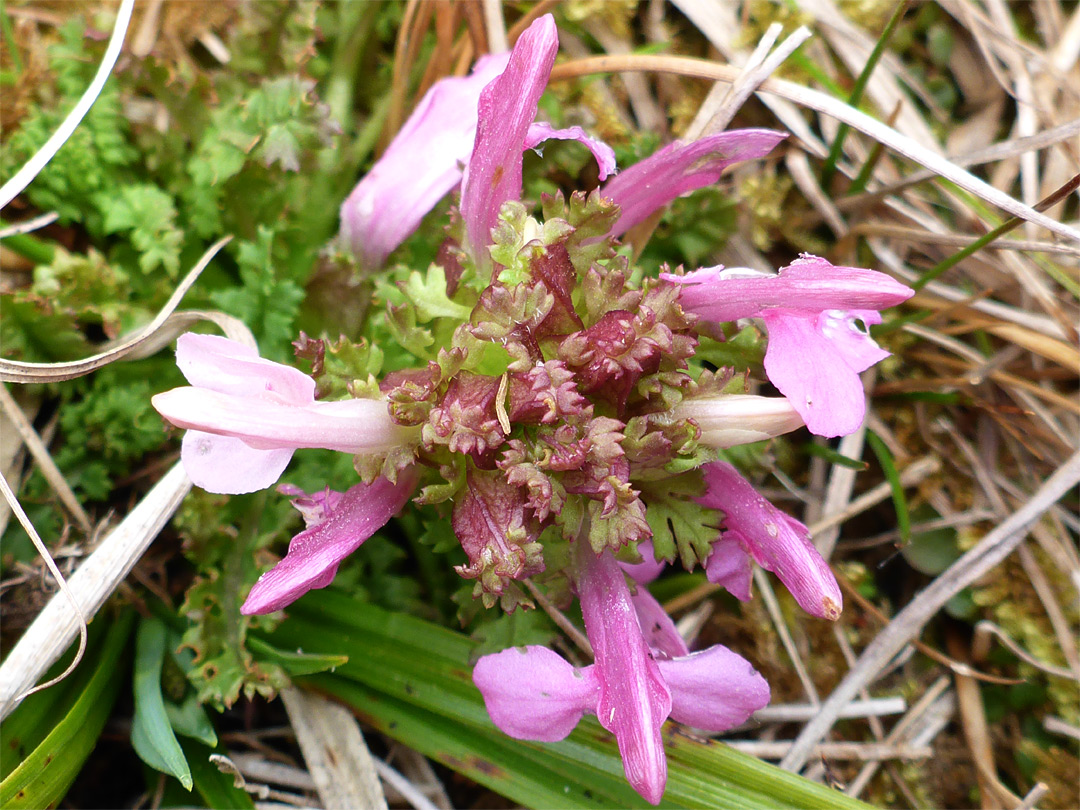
(315, 553)
(809, 284)
(680, 168)
(735, 419)
(778, 542)
(541, 131)
(423, 164)
(268, 423)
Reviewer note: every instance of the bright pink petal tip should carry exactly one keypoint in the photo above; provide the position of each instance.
(680, 168)
(316, 552)
(506, 109)
(776, 541)
(532, 693)
(634, 700)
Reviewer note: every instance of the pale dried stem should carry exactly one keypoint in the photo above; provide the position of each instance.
(988, 553)
(773, 607)
(53, 629)
(335, 752)
(24, 176)
(66, 593)
(45, 462)
(563, 623)
(858, 752)
(899, 733)
(813, 99)
(980, 647)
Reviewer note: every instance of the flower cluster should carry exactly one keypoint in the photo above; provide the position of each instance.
(555, 400)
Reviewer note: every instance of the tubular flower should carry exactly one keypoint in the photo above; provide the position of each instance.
(533, 693)
(337, 524)
(755, 528)
(816, 315)
(245, 416)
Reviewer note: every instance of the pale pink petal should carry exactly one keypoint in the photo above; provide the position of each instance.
(714, 689)
(316, 552)
(220, 364)
(532, 693)
(776, 541)
(634, 701)
(852, 341)
(506, 109)
(727, 421)
(729, 565)
(348, 426)
(679, 168)
(421, 165)
(656, 626)
(226, 465)
(812, 373)
(604, 154)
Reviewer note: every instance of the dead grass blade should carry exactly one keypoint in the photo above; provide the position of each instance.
(989, 552)
(19, 372)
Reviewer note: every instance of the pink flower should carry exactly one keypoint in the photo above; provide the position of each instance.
(245, 416)
(755, 528)
(421, 166)
(817, 317)
(680, 168)
(337, 524)
(532, 693)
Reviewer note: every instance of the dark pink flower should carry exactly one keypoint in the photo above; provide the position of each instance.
(817, 317)
(755, 528)
(339, 524)
(680, 168)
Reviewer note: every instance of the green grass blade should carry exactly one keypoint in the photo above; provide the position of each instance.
(42, 779)
(892, 475)
(151, 732)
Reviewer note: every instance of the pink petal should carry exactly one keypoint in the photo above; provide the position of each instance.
(226, 465)
(852, 341)
(634, 701)
(714, 689)
(810, 283)
(656, 626)
(532, 693)
(229, 367)
(604, 154)
(421, 165)
(506, 109)
(727, 421)
(811, 371)
(729, 565)
(314, 508)
(778, 542)
(679, 168)
(315, 553)
(649, 568)
(348, 426)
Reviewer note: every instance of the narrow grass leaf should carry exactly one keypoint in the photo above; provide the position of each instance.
(892, 475)
(151, 732)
